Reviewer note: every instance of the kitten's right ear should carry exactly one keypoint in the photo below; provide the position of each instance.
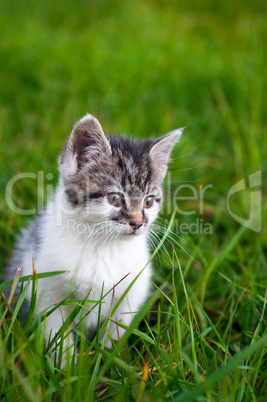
(87, 141)
(160, 151)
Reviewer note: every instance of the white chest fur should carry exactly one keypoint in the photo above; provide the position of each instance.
(90, 267)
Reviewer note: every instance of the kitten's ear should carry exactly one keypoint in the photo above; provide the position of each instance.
(86, 143)
(160, 151)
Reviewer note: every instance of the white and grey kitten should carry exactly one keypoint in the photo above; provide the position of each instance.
(96, 225)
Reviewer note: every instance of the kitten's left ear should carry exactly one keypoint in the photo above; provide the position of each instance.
(160, 151)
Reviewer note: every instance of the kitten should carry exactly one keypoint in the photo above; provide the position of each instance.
(96, 225)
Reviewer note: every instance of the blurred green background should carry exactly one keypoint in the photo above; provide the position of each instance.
(143, 69)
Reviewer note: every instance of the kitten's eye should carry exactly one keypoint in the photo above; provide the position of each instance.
(115, 199)
(148, 202)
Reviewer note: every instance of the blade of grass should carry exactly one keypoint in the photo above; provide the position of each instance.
(218, 375)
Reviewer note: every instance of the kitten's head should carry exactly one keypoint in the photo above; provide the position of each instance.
(114, 184)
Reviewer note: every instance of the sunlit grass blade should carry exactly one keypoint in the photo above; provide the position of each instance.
(232, 364)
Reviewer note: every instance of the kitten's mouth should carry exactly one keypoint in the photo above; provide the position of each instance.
(129, 234)
(133, 233)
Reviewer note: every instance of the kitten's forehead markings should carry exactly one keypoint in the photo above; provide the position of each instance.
(131, 167)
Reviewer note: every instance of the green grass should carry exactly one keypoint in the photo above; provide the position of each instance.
(145, 68)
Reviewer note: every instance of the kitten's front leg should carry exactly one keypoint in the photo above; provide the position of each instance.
(52, 326)
(124, 315)
(128, 308)
(115, 331)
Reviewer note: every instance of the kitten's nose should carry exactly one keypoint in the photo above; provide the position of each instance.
(135, 224)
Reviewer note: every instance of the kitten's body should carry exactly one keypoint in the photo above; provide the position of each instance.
(83, 232)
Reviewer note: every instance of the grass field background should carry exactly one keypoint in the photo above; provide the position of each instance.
(143, 69)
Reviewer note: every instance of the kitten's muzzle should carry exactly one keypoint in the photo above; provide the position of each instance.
(135, 225)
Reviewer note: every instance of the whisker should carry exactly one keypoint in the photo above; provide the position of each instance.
(174, 241)
(185, 169)
(172, 232)
(157, 239)
(172, 235)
